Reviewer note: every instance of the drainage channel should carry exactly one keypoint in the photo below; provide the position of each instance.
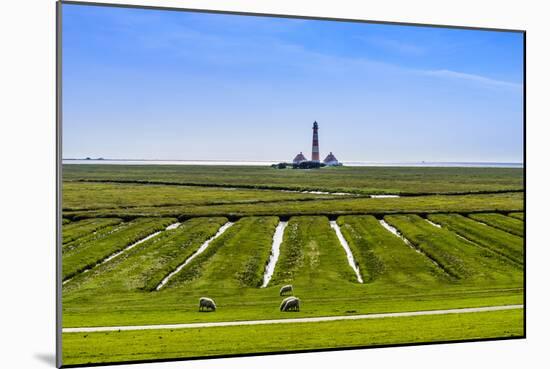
(322, 193)
(398, 234)
(112, 256)
(480, 222)
(432, 223)
(346, 247)
(200, 250)
(275, 251)
(475, 244)
(75, 243)
(409, 243)
(172, 226)
(455, 233)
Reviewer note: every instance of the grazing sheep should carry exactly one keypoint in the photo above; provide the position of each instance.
(206, 303)
(293, 305)
(290, 304)
(285, 301)
(285, 289)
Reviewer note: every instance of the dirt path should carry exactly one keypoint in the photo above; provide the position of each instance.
(292, 320)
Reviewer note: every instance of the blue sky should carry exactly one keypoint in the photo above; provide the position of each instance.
(152, 84)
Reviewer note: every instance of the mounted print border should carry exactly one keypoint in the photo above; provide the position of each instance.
(187, 231)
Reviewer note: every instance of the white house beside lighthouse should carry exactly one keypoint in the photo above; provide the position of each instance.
(331, 160)
(299, 158)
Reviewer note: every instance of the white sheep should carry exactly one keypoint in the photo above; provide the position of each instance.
(206, 303)
(285, 301)
(290, 303)
(285, 289)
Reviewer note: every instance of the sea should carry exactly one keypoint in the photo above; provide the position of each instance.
(264, 163)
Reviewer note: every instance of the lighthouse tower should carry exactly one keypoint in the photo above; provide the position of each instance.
(315, 144)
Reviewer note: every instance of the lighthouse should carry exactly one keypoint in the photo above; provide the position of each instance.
(301, 162)
(315, 143)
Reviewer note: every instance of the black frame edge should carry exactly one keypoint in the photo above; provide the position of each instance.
(271, 15)
(58, 185)
(525, 184)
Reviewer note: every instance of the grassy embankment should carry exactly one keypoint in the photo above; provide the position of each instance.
(311, 259)
(491, 238)
(83, 196)
(502, 222)
(517, 215)
(423, 204)
(143, 267)
(91, 236)
(86, 256)
(467, 261)
(233, 261)
(76, 230)
(385, 259)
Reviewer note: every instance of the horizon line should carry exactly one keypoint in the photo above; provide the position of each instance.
(287, 161)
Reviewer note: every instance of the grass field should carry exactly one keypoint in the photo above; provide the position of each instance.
(502, 222)
(517, 215)
(86, 256)
(501, 202)
(82, 196)
(73, 231)
(474, 259)
(364, 180)
(385, 259)
(246, 246)
(491, 238)
(143, 267)
(163, 344)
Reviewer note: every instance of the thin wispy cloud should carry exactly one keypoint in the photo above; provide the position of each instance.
(490, 82)
(265, 46)
(264, 49)
(394, 45)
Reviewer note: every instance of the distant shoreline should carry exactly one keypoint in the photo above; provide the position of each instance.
(267, 163)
